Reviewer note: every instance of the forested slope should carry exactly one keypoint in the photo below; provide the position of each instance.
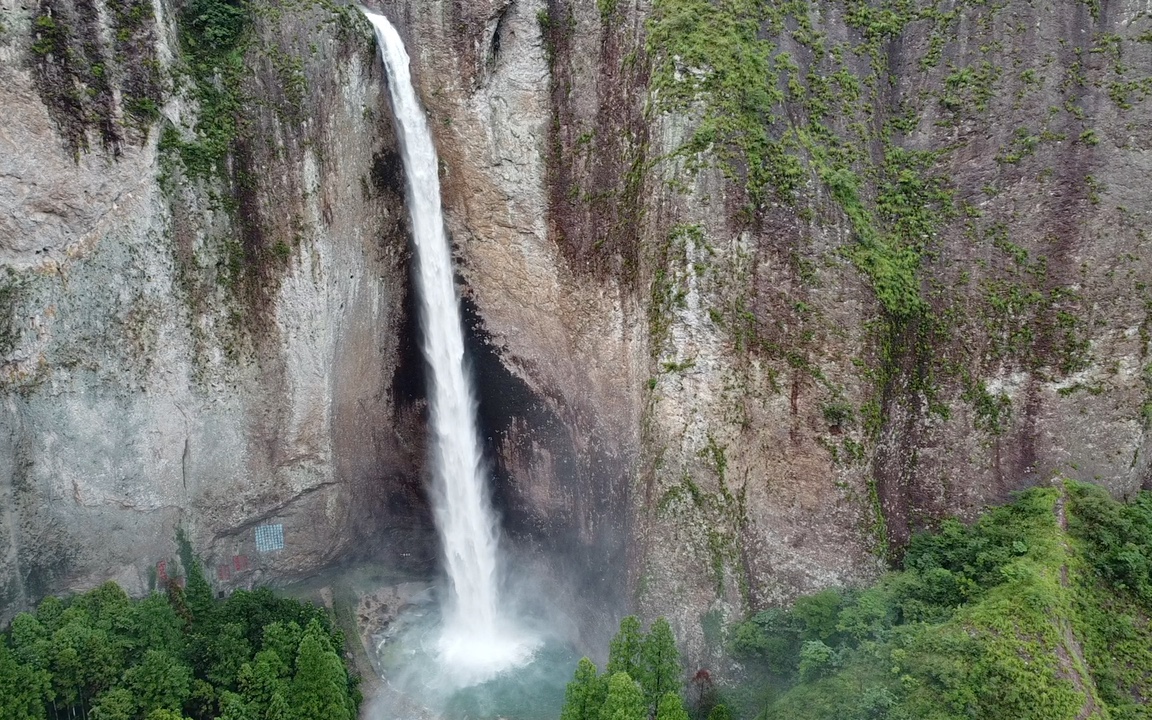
(1039, 610)
(182, 654)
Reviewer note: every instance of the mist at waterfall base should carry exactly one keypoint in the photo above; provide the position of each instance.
(474, 649)
(418, 685)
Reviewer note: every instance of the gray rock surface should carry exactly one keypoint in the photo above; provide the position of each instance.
(622, 281)
(144, 390)
(695, 402)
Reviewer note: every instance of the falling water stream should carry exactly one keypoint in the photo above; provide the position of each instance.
(475, 641)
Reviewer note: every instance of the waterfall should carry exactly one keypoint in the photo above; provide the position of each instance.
(475, 642)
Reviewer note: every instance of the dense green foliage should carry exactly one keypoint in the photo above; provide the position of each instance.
(1114, 596)
(1041, 610)
(1009, 618)
(168, 657)
(643, 678)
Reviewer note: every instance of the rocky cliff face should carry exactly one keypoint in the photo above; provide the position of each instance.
(196, 335)
(563, 362)
(807, 277)
(756, 291)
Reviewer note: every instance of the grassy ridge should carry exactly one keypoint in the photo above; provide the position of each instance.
(1038, 610)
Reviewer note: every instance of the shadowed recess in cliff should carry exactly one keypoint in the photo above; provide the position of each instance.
(579, 526)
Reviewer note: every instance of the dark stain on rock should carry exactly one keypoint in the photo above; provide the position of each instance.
(409, 380)
(596, 159)
(134, 50)
(258, 272)
(72, 69)
(388, 172)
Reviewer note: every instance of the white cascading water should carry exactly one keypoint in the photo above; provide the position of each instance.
(475, 642)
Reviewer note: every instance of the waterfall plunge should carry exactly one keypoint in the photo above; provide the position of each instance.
(475, 642)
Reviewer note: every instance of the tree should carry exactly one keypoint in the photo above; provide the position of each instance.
(816, 659)
(179, 603)
(584, 695)
(31, 641)
(771, 637)
(625, 699)
(154, 625)
(203, 700)
(264, 684)
(102, 656)
(198, 595)
(220, 651)
(720, 712)
(115, 704)
(284, 640)
(279, 709)
(818, 614)
(660, 669)
(320, 687)
(258, 609)
(48, 613)
(624, 650)
(84, 660)
(66, 672)
(233, 707)
(159, 682)
(163, 714)
(672, 708)
(107, 607)
(23, 688)
(875, 704)
(869, 617)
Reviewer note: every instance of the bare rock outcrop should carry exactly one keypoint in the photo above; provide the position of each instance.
(215, 351)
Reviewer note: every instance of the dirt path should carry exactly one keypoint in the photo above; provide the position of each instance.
(1069, 651)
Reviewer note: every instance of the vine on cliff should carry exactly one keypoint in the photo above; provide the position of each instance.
(748, 121)
(89, 84)
(818, 128)
(213, 38)
(72, 72)
(795, 118)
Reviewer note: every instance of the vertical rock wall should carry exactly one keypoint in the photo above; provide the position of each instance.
(814, 276)
(213, 351)
(755, 293)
